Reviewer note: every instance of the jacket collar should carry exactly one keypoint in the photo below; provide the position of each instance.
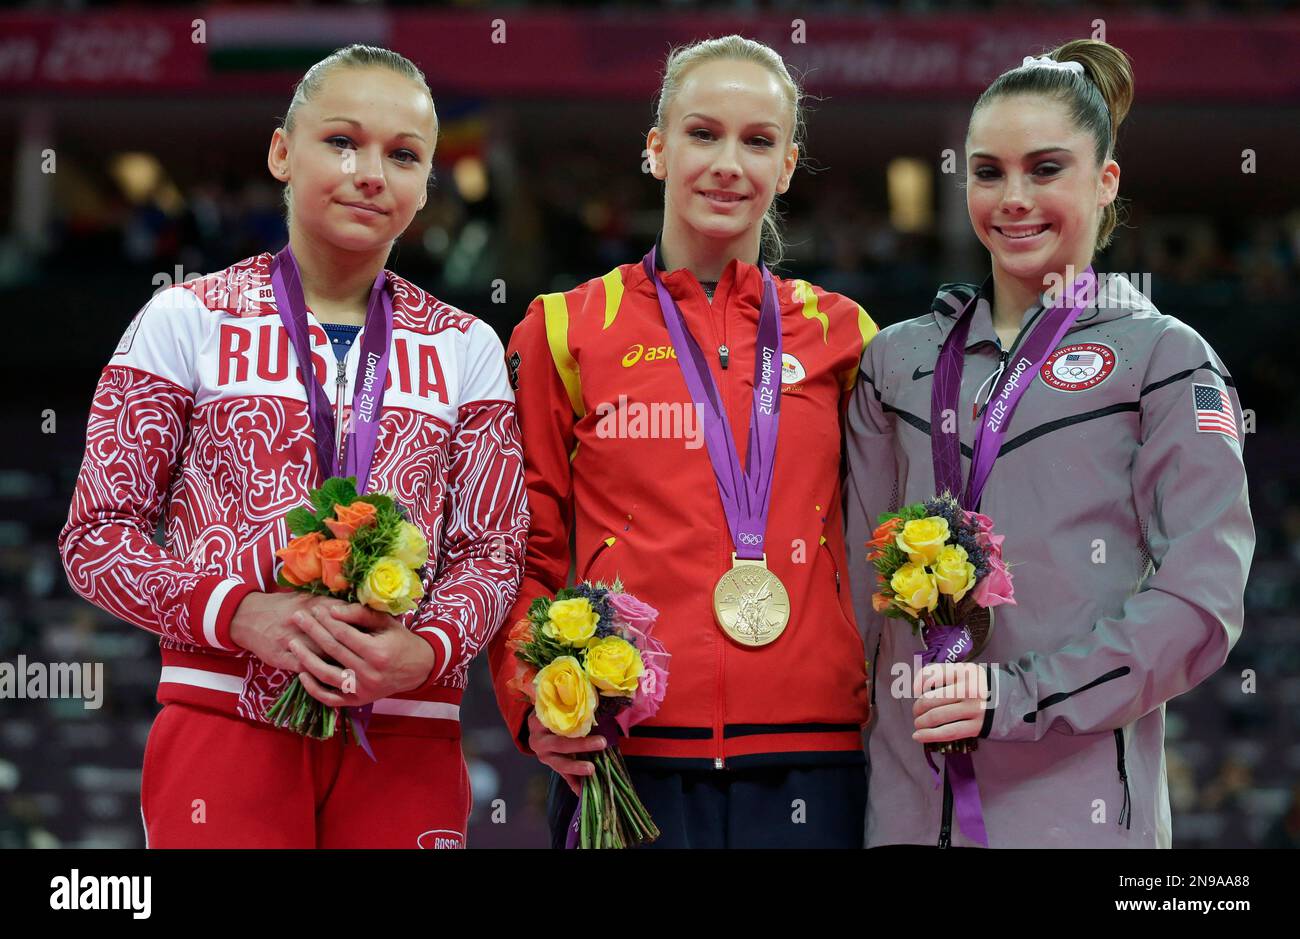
(1116, 298)
(953, 299)
(400, 290)
(682, 284)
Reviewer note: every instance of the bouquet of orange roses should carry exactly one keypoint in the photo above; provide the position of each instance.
(361, 549)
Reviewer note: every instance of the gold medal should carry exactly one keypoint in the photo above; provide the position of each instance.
(750, 603)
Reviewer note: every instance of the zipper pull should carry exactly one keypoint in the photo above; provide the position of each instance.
(1003, 356)
(340, 385)
(718, 763)
(723, 354)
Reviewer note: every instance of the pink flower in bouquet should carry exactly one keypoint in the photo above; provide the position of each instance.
(650, 691)
(991, 543)
(995, 589)
(984, 536)
(638, 615)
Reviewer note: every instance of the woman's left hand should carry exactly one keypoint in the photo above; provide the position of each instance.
(951, 699)
(377, 656)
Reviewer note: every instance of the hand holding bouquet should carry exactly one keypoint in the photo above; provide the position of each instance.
(940, 568)
(587, 659)
(360, 549)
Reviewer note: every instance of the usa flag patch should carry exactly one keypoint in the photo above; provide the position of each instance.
(1214, 414)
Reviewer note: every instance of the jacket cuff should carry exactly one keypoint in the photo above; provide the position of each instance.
(211, 606)
(988, 723)
(445, 651)
(991, 707)
(521, 738)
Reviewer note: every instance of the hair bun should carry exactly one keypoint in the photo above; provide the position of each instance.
(1107, 67)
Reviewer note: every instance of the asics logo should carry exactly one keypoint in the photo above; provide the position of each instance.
(641, 353)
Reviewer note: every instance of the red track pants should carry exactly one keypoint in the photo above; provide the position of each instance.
(212, 780)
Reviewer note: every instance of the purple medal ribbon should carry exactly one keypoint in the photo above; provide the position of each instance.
(367, 398)
(746, 494)
(946, 390)
(945, 451)
(949, 644)
(372, 372)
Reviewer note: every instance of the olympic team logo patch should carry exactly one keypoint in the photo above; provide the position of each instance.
(1078, 367)
(791, 369)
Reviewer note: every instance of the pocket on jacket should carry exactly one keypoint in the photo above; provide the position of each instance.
(602, 555)
(840, 585)
(835, 568)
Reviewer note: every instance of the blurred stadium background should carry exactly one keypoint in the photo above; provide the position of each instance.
(160, 147)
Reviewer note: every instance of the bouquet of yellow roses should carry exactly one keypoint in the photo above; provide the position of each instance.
(940, 568)
(587, 659)
(361, 549)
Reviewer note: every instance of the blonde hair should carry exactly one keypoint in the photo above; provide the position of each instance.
(1098, 101)
(356, 55)
(737, 48)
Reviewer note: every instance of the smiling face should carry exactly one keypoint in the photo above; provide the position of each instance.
(358, 157)
(725, 150)
(1033, 188)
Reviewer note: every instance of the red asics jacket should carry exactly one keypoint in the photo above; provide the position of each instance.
(616, 467)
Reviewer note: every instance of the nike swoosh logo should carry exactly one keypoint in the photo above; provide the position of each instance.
(918, 374)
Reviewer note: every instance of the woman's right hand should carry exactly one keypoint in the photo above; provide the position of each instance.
(554, 751)
(264, 625)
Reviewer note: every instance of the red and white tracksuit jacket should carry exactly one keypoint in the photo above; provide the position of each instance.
(593, 367)
(201, 417)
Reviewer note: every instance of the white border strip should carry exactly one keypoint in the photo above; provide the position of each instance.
(211, 611)
(215, 681)
(435, 709)
(446, 647)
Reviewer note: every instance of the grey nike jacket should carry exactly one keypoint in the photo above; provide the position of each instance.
(1122, 495)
